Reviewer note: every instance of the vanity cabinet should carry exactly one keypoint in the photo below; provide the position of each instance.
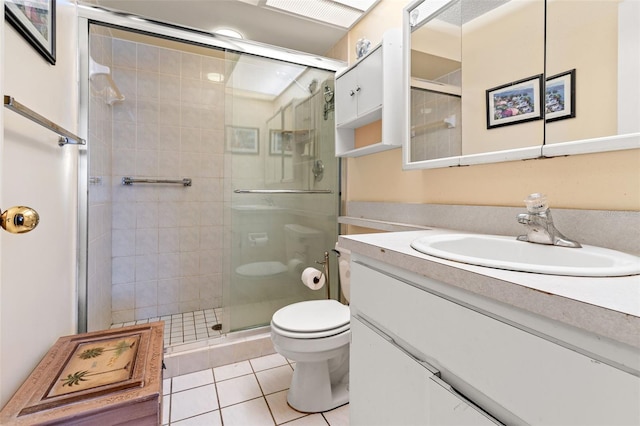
(414, 390)
(368, 91)
(408, 335)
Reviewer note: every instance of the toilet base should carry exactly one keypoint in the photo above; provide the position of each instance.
(320, 386)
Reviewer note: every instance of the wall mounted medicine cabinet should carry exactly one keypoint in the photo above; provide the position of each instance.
(482, 86)
(369, 91)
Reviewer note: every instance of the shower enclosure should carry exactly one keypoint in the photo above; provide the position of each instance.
(211, 180)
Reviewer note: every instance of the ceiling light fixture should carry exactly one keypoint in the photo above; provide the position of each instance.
(228, 32)
(341, 13)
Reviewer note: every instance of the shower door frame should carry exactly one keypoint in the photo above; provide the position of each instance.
(88, 15)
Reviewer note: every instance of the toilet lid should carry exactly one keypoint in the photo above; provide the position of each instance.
(261, 269)
(312, 316)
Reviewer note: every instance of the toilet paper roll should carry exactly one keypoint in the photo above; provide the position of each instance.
(313, 278)
(295, 266)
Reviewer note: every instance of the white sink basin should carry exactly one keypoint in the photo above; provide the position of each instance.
(501, 252)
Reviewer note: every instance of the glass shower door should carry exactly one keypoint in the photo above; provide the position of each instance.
(283, 184)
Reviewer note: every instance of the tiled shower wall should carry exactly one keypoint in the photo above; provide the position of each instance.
(99, 237)
(167, 239)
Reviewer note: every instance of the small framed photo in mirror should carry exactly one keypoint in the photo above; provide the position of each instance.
(560, 96)
(515, 102)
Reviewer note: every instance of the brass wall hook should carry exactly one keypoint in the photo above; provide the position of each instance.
(19, 219)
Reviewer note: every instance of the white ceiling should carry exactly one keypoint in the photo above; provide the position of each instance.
(255, 19)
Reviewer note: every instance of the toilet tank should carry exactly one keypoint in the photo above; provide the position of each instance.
(303, 243)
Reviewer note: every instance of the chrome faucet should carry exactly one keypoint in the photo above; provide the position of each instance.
(539, 223)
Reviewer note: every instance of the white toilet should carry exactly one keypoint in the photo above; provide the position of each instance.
(316, 335)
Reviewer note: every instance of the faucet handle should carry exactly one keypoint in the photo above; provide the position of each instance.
(536, 203)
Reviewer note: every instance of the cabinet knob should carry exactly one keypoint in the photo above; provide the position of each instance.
(357, 88)
(351, 93)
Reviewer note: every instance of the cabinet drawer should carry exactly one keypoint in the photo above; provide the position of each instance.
(407, 394)
(535, 380)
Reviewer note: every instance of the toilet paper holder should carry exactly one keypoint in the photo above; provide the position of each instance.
(325, 271)
(258, 239)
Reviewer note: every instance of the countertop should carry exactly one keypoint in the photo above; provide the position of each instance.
(607, 306)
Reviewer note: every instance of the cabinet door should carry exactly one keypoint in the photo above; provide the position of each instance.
(537, 380)
(448, 408)
(386, 387)
(370, 82)
(346, 103)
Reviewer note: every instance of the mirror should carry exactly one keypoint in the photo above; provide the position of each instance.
(478, 92)
(600, 40)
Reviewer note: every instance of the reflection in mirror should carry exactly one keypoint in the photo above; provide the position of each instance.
(436, 73)
(605, 81)
(458, 52)
(588, 94)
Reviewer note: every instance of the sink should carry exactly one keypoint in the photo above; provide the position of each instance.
(502, 252)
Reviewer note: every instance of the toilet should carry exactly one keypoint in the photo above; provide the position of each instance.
(316, 334)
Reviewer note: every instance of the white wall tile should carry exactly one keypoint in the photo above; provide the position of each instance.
(123, 243)
(147, 215)
(168, 292)
(169, 88)
(124, 216)
(123, 270)
(168, 265)
(124, 53)
(147, 137)
(148, 85)
(123, 297)
(146, 241)
(169, 62)
(146, 267)
(148, 58)
(190, 66)
(146, 294)
(168, 240)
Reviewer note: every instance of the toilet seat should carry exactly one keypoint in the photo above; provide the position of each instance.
(312, 319)
(261, 269)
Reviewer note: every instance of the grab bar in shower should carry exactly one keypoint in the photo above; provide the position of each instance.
(283, 191)
(66, 137)
(131, 181)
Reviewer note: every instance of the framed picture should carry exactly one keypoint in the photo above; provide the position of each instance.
(280, 142)
(515, 102)
(560, 96)
(243, 140)
(35, 20)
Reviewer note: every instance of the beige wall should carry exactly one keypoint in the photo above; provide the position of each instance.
(596, 79)
(38, 281)
(591, 181)
(488, 63)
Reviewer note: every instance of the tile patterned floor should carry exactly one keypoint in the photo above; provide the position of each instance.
(185, 327)
(247, 393)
